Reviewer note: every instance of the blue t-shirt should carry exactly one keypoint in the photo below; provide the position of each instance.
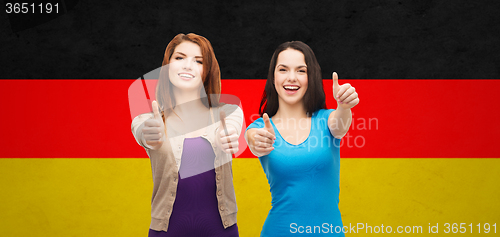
(304, 182)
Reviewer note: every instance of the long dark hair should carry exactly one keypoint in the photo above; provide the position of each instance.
(314, 98)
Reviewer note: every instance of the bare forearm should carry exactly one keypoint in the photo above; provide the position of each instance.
(250, 139)
(339, 122)
(346, 97)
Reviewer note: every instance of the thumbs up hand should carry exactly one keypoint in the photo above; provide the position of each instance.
(227, 137)
(261, 140)
(154, 129)
(344, 94)
(267, 125)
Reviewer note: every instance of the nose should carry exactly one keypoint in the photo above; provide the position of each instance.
(292, 76)
(187, 64)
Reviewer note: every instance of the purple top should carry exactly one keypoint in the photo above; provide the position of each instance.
(195, 212)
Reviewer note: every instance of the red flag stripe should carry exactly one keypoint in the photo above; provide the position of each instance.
(395, 118)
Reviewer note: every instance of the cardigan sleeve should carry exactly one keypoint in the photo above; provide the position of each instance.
(234, 116)
(137, 124)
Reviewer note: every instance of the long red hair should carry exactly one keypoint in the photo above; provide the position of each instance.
(211, 74)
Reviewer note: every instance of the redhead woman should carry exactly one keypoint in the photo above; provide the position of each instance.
(188, 146)
(297, 141)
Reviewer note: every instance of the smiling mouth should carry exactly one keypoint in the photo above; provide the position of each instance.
(291, 88)
(186, 75)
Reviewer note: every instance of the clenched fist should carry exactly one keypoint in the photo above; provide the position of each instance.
(154, 129)
(261, 140)
(227, 137)
(345, 94)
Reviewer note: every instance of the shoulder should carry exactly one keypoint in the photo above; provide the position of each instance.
(258, 123)
(321, 117)
(323, 113)
(234, 114)
(142, 117)
(259, 120)
(230, 108)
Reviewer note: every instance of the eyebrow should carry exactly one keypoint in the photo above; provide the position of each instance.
(283, 65)
(185, 55)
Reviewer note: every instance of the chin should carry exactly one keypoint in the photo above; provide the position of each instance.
(186, 85)
(292, 101)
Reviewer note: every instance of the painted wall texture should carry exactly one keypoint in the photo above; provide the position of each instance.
(386, 39)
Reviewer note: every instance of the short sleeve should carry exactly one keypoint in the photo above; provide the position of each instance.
(324, 113)
(258, 123)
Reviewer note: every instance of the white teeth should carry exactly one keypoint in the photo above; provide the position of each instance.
(186, 75)
(291, 87)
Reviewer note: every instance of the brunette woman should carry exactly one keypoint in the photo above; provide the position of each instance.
(297, 141)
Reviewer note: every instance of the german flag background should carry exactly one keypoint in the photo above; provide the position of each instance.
(421, 155)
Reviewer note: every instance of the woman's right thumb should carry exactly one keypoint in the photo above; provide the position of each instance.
(267, 121)
(156, 110)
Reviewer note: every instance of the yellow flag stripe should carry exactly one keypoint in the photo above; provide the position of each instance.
(111, 197)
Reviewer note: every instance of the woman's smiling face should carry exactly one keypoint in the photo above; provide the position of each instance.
(186, 66)
(290, 76)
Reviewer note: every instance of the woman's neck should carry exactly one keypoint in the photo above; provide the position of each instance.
(296, 111)
(185, 96)
(188, 103)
